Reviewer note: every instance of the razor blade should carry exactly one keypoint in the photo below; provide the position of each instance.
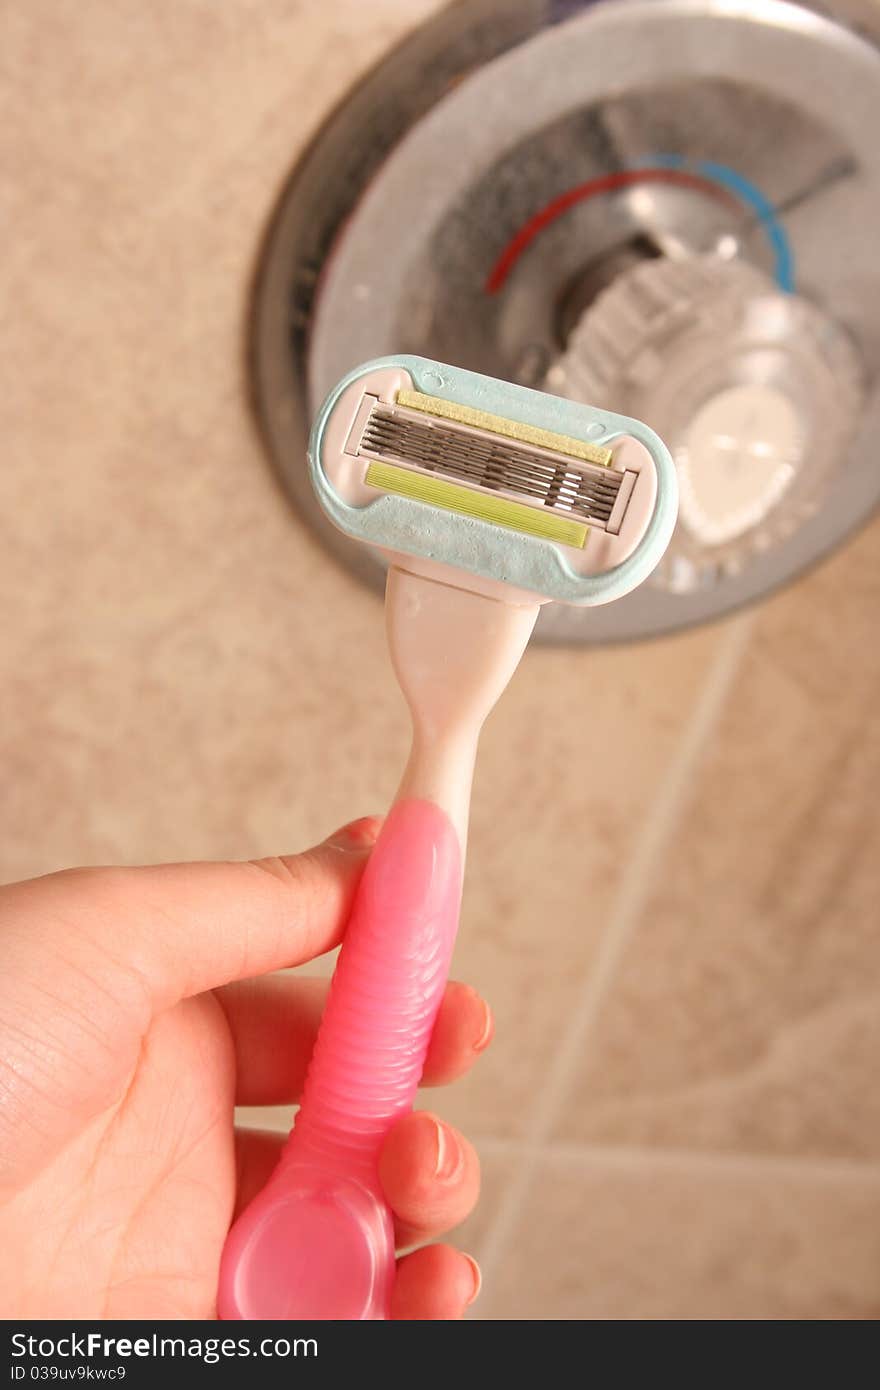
(448, 471)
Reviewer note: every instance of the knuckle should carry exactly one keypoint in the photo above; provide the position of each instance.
(290, 870)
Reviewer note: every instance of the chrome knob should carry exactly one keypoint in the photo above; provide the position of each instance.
(756, 393)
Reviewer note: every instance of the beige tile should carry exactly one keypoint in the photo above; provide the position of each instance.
(185, 673)
(746, 1012)
(276, 1117)
(623, 1238)
(570, 762)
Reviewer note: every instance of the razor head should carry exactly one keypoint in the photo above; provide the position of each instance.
(543, 473)
(490, 485)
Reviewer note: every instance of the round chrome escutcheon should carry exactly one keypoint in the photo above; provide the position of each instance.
(486, 189)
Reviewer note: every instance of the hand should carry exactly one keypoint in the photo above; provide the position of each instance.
(133, 1016)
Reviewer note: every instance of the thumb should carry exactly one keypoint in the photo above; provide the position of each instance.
(186, 928)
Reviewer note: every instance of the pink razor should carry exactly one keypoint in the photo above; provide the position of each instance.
(484, 516)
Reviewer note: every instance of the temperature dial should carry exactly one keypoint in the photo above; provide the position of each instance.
(755, 392)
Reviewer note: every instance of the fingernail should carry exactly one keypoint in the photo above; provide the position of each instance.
(449, 1159)
(487, 1030)
(358, 834)
(478, 1280)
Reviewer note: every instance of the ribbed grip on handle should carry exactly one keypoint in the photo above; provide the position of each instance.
(318, 1241)
(385, 994)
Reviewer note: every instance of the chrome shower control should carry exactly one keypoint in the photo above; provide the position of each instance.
(757, 393)
(512, 160)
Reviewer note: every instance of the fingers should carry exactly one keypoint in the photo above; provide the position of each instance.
(256, 1153)
(464, 1028)
(274, 1021)
(181, 929)
(434, 1283)
(430, 1175)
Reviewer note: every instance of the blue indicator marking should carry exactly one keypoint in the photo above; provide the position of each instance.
(749, 194)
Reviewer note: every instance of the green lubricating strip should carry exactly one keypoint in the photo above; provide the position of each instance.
(501, 511)
(499, 424)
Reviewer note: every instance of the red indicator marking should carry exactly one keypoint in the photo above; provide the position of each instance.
(606, 183)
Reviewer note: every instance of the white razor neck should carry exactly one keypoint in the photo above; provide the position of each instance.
(454, 652)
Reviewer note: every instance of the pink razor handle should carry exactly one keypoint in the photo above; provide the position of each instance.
(318, 1241)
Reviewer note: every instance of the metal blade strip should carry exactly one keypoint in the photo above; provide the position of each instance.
(544, 478)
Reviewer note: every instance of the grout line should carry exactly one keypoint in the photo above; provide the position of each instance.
(656, 831)
(817, 1166)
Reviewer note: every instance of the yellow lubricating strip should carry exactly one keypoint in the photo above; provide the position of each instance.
(499, 424)
(499, 510)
